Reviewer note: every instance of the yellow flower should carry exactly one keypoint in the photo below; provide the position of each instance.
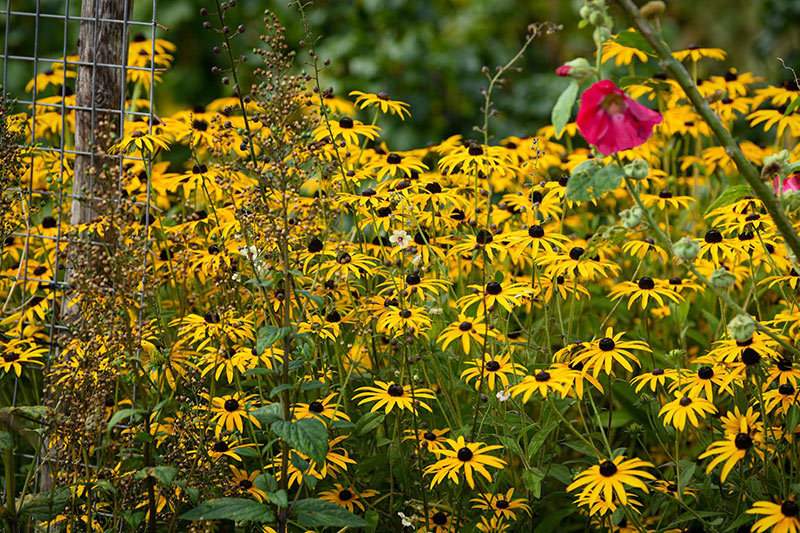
(230, 410)
(390, 395)
(490, 369)
(466, 328)
(731, 450)
(382, 102)
(470, 457)
(780, 518)
(601, 354)
(349, 498)
(682, 408)
(695, 53)
(612, 478)
(503, 505)
(644, 290)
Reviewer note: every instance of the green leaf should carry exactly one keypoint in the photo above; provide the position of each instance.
(552, 520)
(792, 418)
(320, 513)
(5, 441)
(231, 509)
(38, 506)
(307, 435)
(533, 481)
(731, 194)
(119, 416)
(687, 471)
(590, 180)
(633, 39)
(269, 335)
(267, 414)
(279, 389)
(563, 108)
(369, 422)
(311, 385)
(164, 474)
(791, 107)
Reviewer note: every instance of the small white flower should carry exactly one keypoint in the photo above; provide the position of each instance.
(400, 238)
(406, 520)
(416, 259)
(436, 310)
(503, 395)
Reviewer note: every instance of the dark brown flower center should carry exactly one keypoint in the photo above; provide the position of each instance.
(316, 407)
(536, 232)
(465, 326)
(492, 366)
(493, 288)
(789, 509)
(713, 236)
(395, 390)
(394, 159)
(465, 454)
(231, 405)
(439, 519)
(220, 447)
(606, 344)
(685, 401)
(346, 123)
(501, 504)
(705, 372)
(576, 252)
(646, 284)
(607, 469)
(345, 495)
(742, 441)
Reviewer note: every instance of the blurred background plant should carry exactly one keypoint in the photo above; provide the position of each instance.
(430, 53)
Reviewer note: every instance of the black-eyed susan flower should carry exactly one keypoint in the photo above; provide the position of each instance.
(644, 290)
(542, 382)
(347, 497)
(493, 524)
(706, 379)
(779, 517)
(507, 295)
(612, 478)
(716, 247)
(346, 129)
(381, 101)
(395, 164)
(491, 369)
(671, 488)
(696, 53)
(324, 409)
(576, 262)
(246, 482)
(466, 329)
(230, 411)
(731, 450)
(471, 458)
(19, 352)
(389, 395)
(439, 521)
(653, 379)
(644, 248)
(781, 398)
(783, 371)
(336, 460)
(665, 199)
(534, 239)
(410, 321)
(349, 265)
(433, 440)
(601, 354)
(475, 159)
(503, 504)
(684, 408)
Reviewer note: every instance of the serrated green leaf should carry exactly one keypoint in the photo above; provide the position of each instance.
(267, 414)
(591, 180)
(279, 389)
(312, 512)
(687, 471)
(5, 441)
(633, 39)
(791, 107)
(164, 474)
(369, 422)
(731, 194)
(119, 416)
(792, 418)
(563, 108)
(532, 479)
(239, 509)
(307, 435)
(269, 335)
(39, 506)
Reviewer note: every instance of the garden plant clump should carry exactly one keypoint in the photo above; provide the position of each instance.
(279, 321)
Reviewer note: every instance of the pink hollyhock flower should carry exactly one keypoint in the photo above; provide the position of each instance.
(563, 70)
(791, 183)
(612, 121)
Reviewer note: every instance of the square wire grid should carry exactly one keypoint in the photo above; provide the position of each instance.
(29, 32)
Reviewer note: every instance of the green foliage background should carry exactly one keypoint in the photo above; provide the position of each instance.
(430, 52)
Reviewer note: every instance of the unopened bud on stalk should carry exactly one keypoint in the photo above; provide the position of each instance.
(722, 279)
(741, 328)
(687, 249)
(578, 68)
(601, 34)
(631, 218)
(652, 9)
(638, 169)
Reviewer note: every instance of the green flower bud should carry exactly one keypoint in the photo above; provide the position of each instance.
(638, 169)
(741, 328)
(677, 353)
(686, 249)
(776, 164)
(595, 17)
(578, 68)
(652, 9)
(631, 218)
(601, 34)
(791, 200)
(722, 279)
(585, 11)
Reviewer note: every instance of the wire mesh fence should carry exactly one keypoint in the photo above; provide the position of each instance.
(70, 68)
